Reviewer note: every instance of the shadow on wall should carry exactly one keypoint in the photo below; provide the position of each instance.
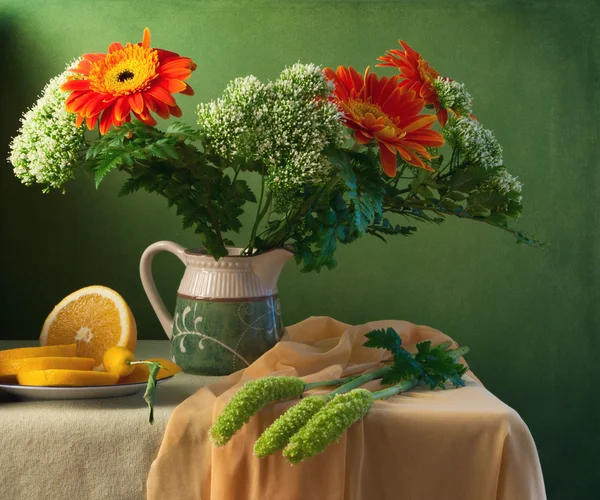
(26, 230)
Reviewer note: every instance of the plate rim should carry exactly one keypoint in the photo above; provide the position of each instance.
(76, 388)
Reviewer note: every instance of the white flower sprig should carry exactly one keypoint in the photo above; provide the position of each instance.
(47, 146)
(286, 125)
(474, 141)
(453, 95)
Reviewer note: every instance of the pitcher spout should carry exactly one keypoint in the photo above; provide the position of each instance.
(267, 266)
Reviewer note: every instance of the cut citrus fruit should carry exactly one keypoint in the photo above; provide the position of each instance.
(116, 360)
(141, 372)
(37, 352)
(96, 318)
(66, 378)
(9, 369)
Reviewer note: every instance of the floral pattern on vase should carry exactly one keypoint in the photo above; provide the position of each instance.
(240, 332)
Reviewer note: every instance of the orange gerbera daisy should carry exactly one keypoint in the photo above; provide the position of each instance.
(417, 76)
(380, 110)
(132, 79)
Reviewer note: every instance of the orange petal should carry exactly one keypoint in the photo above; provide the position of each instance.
(188, 90)
(162, 110)
(442, 116)
(91, 121)
(388, 160)
(114, 47)
(175, 111)
(162, 95)
(107, 119)
(76, 101)
(362, 138)
(171, 86)
(94, 57)
(421, 122)
(122, 108)
(147, 119)
(175, 72)
(75, 85)
(92, 106)
(136, 101)
(146, 38)
(79, 120)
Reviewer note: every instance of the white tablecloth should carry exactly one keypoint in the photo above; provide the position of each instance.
(85, 449)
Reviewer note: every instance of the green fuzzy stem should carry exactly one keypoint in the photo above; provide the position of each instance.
(328, 425)
(388, 392)
(249, 400)
(278, 434)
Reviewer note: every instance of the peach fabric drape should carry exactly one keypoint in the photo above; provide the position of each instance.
(462, 444)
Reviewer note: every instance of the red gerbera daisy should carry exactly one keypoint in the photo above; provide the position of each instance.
(380, 110)
(417, 76)
(132, 79)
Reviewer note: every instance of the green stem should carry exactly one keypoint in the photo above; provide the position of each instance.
(278, 237)
(258, 215)
(445, 345)
(357, 382)
(458, 352)
(327, 383)
(388, 392)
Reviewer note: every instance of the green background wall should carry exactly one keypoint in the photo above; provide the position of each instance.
(530, 316)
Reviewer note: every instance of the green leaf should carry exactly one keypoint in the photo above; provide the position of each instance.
(150, 394)
(105, 167)
(384, 338)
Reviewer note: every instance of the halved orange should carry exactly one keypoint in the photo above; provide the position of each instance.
(96, 318)
(71, 378)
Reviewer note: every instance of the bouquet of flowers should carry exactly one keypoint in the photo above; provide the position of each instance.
(339, 154)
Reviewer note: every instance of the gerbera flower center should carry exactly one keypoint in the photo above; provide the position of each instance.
(427, 73)
(125, 71)
(125, 75)
(361, 108)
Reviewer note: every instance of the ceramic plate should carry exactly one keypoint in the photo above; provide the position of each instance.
(86, 392)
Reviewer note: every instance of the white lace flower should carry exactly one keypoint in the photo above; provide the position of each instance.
(476, 144)
(504, 182)
(47, 146)
(285, 125)
(453, 95)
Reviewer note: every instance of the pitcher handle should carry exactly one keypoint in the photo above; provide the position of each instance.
(164, 316)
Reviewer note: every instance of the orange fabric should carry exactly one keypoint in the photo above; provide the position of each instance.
(460, 444)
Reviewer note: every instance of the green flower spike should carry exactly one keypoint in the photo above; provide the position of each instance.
(328, 425)
(278, 434)
(249, 400)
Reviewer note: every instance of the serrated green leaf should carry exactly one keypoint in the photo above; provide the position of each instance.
(384, 338)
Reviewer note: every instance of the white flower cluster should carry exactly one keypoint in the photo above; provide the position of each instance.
(505, 183)
(285, 125)
(453, 95)
(477, 145)
(47, 145)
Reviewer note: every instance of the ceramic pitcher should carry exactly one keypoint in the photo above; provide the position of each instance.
(227, 312)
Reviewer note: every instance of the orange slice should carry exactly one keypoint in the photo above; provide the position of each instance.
(66, 378)
(96, 318)
(37, 352)
(141, 372)
(9, 369)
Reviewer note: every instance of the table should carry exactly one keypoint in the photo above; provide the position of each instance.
(85, 449)
(98, 449)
